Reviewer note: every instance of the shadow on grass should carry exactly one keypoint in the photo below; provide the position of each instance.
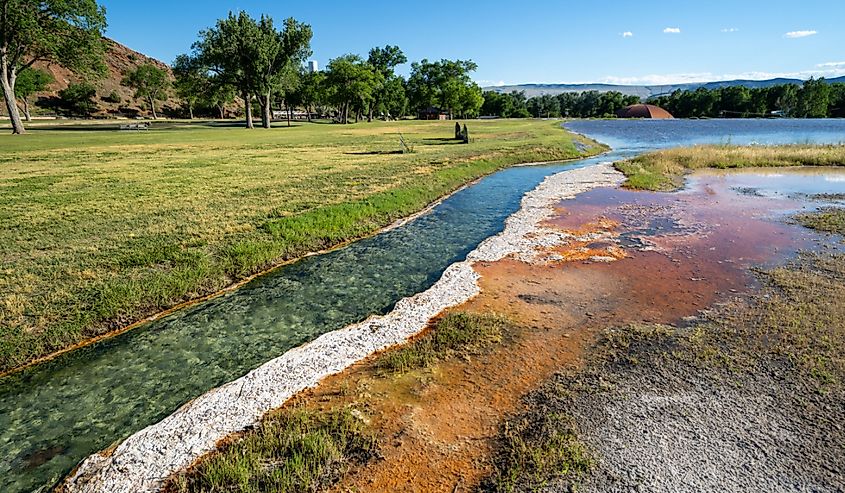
(372, 153)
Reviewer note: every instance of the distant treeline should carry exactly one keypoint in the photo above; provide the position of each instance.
(814, 99)
(588, 104)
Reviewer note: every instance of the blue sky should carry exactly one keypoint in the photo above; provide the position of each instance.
(616, 41)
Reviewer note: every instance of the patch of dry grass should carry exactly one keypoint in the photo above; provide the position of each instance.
(664, 170)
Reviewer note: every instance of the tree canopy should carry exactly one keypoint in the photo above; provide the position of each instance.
(29, 82)
(351, 84)
(445, 84)
(65, 31)
(150, 83)
(252, 55)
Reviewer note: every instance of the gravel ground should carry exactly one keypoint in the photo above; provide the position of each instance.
(681, 429)
(653, 422)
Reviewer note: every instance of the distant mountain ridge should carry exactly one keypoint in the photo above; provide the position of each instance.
(643, 91)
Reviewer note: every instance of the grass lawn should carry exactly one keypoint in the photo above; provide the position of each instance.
(664, 170)
(102, 228)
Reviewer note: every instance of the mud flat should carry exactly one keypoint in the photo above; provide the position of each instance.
(144, 460)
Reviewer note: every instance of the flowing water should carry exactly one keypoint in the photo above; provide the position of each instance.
(55, 414)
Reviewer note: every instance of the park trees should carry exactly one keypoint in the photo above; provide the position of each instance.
(191, 81)
(29, 82)
(390, 95)
(447, 84)
(150, 83)
(311, 91)
(351, 83)
(252, 56)
(32, 31)
(78, 99)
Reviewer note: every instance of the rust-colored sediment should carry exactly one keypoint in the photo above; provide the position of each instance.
(663, 257)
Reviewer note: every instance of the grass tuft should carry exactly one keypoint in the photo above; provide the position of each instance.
(293, 450)
(828, 220)
(536, 449)
(455, 334)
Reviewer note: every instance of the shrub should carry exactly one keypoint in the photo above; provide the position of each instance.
(78, 99)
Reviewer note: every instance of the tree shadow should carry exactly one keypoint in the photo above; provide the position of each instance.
(373, 153)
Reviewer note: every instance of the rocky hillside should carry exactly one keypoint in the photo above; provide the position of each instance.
(119, 61)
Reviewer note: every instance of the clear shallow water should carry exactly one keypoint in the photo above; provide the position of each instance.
(799, 183)
(54, 415)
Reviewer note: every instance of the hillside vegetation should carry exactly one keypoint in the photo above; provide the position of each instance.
(102, 228)
(113, 98)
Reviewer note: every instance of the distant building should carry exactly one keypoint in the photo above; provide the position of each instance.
(312, 66)
(644, 111)
(433, 113)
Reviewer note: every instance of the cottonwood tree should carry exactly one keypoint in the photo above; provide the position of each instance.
(252, 55)
(191, 81)
(52, 31)
(29, 82)
(227, 50)
(385, 60)
(311, 91)
(350, 83)
(447, 84)
(150, 83)
(296, 47)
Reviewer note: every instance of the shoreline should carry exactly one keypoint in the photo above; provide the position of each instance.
(143, 461)
(242, 282)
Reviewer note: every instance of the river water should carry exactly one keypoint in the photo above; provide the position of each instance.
(54, 415)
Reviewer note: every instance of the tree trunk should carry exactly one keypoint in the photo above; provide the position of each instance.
(308, 112)
(153, 107)
(222, 111)
(7, 80)
(290, 113)
(247, 109)
(266, 101)
(191, 111)
(370, 114)
(26, 115)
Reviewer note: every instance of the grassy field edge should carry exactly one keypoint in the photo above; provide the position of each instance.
(664, 170)
(112, 308)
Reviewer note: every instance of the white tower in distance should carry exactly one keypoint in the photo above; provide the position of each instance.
(312, 66)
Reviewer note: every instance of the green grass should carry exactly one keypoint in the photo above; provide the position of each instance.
(460, 334)
(102, 228)
(828, 220)
(534, 450)
(292, 450)
(664, 170)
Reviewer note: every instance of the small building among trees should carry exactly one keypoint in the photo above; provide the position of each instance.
(433, 113)
(644, 111)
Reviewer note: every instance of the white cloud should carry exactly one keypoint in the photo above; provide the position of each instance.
(627, 34)
(800, 34)
(672, 30)
(730, 30)
(490, 83)
(831, 65)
